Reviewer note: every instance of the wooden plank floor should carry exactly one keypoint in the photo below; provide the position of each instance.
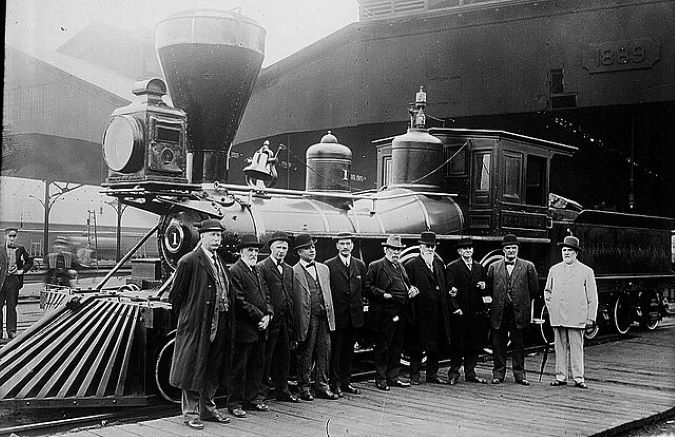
(630, 380)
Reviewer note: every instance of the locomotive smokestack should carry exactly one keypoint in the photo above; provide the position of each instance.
(210, 60)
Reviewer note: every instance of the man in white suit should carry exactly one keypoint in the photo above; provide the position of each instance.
(572, 300)
(314, 319)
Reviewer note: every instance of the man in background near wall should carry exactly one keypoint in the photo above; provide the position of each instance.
(571, 297)
(14, 262)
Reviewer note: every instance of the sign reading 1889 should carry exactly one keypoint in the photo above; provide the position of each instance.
(621, 55)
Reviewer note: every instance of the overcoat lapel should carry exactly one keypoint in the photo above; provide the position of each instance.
(205, 263)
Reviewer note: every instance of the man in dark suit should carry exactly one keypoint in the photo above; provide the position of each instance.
(465, 280)
(388, 289)
(431, 328)
(347, 282)
(313, 317)
(202, 298)
(14, 262)
(278, 276)
(253, 312)
(512, 283)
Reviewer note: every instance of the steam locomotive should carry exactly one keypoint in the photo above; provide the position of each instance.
(113, 347)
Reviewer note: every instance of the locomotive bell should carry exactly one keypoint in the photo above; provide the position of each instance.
(330, 166)
(261, 172)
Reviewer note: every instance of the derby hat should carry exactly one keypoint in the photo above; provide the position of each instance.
(510, 240)
(279, 236)
(303, 240)
(61, 240)
(209, 225)
(464, 242)
(394, 241)
(343, 235)
(428, 238)
(248, 240)
(571, 242)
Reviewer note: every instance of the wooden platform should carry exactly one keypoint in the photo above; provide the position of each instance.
(630, 380)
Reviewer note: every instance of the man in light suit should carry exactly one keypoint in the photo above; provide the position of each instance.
(253, 312)
(313, 317)
(512, 283)
(347, 282)
(571, 297)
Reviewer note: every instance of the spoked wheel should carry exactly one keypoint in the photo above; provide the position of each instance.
(622, 314)
(649, 301)
(162, 370)
(545, 326)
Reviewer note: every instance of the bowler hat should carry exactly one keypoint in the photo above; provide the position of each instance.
(343, 235)
(571, 242)
(209, 225)
(428, 238)
(248, 240)
(464, 242)
(8, 230)
(510, 240)
(279, 236)
(394, 241)
(303, 240)
(61, 240)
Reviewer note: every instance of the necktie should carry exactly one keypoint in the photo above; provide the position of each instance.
(510, 263)
(310, 265)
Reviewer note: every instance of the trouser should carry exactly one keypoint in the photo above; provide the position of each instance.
(500, 338)
(314, 350)
(431, 366)
(277, 358)
(9, 297)
(247, 370)
(342, 354)
(569, 350)
(387, 351)
(466, 357)
(199, 404)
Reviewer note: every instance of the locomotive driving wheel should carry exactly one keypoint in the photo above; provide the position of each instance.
(649, 302)
(622, 314)
(162, 370)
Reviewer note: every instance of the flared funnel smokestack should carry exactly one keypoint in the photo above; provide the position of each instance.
(210, 60)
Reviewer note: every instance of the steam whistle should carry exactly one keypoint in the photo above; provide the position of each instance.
(418, 118)
(261, 173)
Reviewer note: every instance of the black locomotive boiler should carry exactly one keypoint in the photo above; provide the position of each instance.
(112, 346)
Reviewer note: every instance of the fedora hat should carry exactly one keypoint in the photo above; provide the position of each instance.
(394, 241)
(343, 235)
(248, 240)
(428, 238)
(209, 225)
(571, 242)
(464, 242)
(279, 236)
(303, 240)
(510, 240)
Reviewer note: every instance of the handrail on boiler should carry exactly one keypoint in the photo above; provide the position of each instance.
(127, 256)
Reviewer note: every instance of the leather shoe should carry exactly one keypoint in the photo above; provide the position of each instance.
(382, 385)
(218, 419)
(580, 385)
(306, 396)
(237, 412)
(453, 380)
(350, 389)
(328, 394)
(436, 381)
(497, 380)
(523, 382)
(557, 383)
(338, 391)
(477, 380)
(288, 397)
(255, 406)
(399, 383)
(195, 423)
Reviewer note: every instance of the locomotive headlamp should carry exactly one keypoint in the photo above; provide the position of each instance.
(123, 145)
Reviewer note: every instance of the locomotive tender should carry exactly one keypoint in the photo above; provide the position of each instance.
(113, 347)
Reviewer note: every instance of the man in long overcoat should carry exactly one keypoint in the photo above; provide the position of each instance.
(314, 319)
(278, 276)
(14, 262)
(465, 280)
(253, 312)
(388, 290)
(571, 297)
(431, 327)
(202, 297)
(512, 283)
(347, 282)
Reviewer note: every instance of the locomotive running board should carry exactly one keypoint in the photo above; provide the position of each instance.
(84, 353)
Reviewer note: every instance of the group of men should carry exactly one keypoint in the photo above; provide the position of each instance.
(237, 327)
